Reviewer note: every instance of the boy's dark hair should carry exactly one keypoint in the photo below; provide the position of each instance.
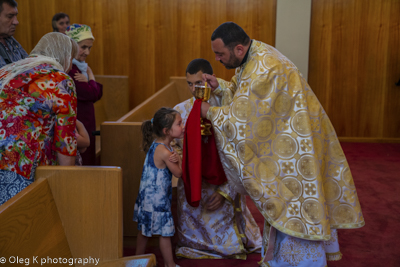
(163, 118)
(11, 3)
(56, 18)
(231, 34)
(199, 64)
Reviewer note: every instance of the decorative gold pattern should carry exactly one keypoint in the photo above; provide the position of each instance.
(334, 256)
(291, 188)
(267, 169)
(230, 231)
(294, 252)
(284, 151)
(285, 146)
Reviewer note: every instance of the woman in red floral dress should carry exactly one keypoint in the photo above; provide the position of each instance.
(37, 113)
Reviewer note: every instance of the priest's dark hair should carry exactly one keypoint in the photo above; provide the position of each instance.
(231, 34)
(152, 129)
(199, 64)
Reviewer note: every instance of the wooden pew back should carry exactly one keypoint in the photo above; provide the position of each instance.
(31, 226)
(89, 201)
(121, 143)
(68, 213)
(170, 95)
(114, 102)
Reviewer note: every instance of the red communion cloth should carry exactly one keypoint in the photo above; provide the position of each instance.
(200, 158)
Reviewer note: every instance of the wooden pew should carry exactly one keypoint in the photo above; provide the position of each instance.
(114, 102)
(121, 143)
(31, 226)
(89, 201)
(68, 212)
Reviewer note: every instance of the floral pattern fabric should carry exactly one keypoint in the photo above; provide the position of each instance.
(37, 120)
(153, 204)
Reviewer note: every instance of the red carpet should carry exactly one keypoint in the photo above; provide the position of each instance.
(376, 173)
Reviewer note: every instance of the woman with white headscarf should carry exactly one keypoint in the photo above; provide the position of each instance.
(37, 113)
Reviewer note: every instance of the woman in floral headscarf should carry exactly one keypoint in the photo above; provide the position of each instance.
(37, 113)
(87, 89)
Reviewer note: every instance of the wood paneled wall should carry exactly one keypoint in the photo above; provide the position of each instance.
(148, 40)
(354, 48)
(354, 64)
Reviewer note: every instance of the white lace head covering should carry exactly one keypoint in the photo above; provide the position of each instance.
(53, 48)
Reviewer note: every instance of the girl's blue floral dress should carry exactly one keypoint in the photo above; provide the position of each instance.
(153, 204)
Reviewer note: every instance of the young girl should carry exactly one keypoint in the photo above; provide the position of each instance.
(153, 204)
(83, 141)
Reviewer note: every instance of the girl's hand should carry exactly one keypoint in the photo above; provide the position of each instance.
(81, 77)
(174, 157)
(82, 137)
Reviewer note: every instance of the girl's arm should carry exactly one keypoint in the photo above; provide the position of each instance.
(176, 158)
(82, 137)
(162, 159)
(65, 160)
(174, 167)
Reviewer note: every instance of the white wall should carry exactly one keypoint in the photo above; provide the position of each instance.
(293, 21)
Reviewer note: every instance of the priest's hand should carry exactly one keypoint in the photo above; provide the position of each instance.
(215, 201)
(211, 81)
(204, 109)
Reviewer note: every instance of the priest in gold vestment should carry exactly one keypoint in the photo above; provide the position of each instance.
(278, 145)
(222, 225)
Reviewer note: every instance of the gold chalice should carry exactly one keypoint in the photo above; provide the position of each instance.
(203, 92)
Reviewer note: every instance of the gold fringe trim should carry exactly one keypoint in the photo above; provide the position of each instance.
(348, 225)
(334, 256)
(239, 236)
(225, 195)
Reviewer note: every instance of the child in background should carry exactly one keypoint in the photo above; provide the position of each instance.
(83, 141)
(153, 204)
